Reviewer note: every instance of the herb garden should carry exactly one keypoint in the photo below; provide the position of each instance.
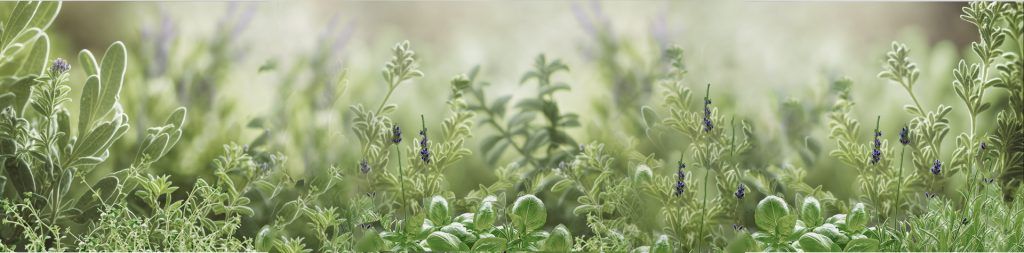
(128, 148)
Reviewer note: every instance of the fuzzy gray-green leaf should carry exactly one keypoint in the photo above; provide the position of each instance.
(112, 70)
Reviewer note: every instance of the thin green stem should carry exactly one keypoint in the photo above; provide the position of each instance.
(920, 109)
(391, 89)
(401, 178)
(703, 209)
(707, 172)
(895, 217)
(878, 122)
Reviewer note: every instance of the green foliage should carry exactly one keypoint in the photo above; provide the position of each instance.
(79, 180)
(783, 230)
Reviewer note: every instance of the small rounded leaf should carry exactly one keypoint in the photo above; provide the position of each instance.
(810, 212)
(528, 211)
(438, 210)
(560, 240)
(441, 241)
(769, 212)
(858, 218)
(815, 242)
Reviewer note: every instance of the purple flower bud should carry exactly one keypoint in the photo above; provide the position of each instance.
(60, 66)
(905, 136)
(708, 125)
(937, 167)
(364, 166)
(396, 134)
(876, 153)
(741, 191)
(424, 151)
(983, 146)
(680, 188)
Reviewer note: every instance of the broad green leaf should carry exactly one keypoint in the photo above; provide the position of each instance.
(529, 212)
(63, 126)
(810, 212)
(833, 233)
(21, 174)
(45, 14)
(858, 218)
(814, 242)
(112, 70)
(441, 241)
(560, 240)
(370, 241)
(484, 217)
(662, 245)
(157, 146)
(177, 118)
(438, 211)
(460, 231)
(264, 241)
(88, 62)
(836, 219)
(769, 212)
(862, 245)
(19, 19)
(465, 219)
(36, 59)
(787, 225)
(90, 98)
(743, 243)
(490, 244)
(95, 140)
(22, 89)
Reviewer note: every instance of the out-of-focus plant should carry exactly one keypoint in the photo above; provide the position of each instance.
(539, 146)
